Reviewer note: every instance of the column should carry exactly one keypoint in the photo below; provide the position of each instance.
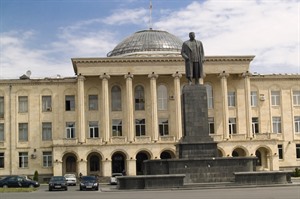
(177, 97)
(105, 108)
(131, 167)
(223, 76)
(247, 89)
(129, 107)
(81, 109)
(106, 167)
(154, 119)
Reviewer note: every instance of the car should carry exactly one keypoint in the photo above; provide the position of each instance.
(113, 179)
(58, 183)
(71, 179)
(88, 182)
(17, 181)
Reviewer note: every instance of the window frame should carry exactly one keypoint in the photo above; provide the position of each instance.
(162, 98)
(23, 104)
(46, 131)
(2, 107)
(139, 98)
(23, 132)
(275, 98)
(280, 151)
(116, 98)
(94, 129)
(255, 125)
(276, 125)
(70, 103)
(93, 102)
(296, 97)
(46, 103)
(211, 125)
(47, 159)
(254, 98)
(117, 127)
(232, 126)
(70, 130)
(2, 160)
(231, 96)
(297, 124)
(23, 160)
(163, 126)
(140, 127)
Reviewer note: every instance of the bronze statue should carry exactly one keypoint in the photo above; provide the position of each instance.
(193, 54)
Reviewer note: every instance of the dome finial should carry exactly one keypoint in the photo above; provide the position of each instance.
(150, 16)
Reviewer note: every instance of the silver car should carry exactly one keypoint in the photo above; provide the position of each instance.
(71, 179)
(113, 178)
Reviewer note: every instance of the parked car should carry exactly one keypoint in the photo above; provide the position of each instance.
(88, 182)
(71, 179)
(58, 183)
(17, 181)
(113, 178)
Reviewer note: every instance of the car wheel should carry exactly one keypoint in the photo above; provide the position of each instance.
(50, 189)
(31, 186)
(66, 189)
(5, 186)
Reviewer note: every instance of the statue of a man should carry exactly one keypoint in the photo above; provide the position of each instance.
(193, 54)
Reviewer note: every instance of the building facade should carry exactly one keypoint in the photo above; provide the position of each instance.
(126, 108)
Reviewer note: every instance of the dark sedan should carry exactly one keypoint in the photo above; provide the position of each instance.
(58, 183)
(88, 182)
(17, 181)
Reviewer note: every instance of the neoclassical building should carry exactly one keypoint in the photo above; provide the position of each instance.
(125, 108)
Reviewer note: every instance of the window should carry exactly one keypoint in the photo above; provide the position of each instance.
(297, 124)
(298, 151)
(93, 129)
(116, 98)
(163, 126)
(275, 98)
(46, 131)
(255, 126)
(296, 98)
(210, 98)
(70, 129)
(23, 159)
(139, 98)
(162, 98)
(46, 103)
(70, 103)
(231, 99)
(47, 159)
(93, 102)
(280, 151)
(116, 127)
(1, 107)
(140, 127)
(23, 131)
(211, 125)
(253, 96)
(23, 104)
(232, 126)
(1, 132)
(1, 160)
(276, 124)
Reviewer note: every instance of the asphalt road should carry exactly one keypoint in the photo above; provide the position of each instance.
(109, 192)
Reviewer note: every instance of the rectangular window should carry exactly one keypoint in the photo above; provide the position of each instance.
(1, 132)
(1, 160)
(232, 126)
(70, 103)
(23, 104)
(94, 129)
(298, 151)
(211, 125)
(276, 124)
(47, 159)
(46, 131)
(255, 125)
(140, 127)
(297, 124)
(163, 126)
(254, 98)
(70, 129)
(1, 107)
(280, 151)
(23, 131)
(93, 102)
(116, 127)
(23, 159)
(275, 98)
(296, 98)
(231, 99)
(46, 103)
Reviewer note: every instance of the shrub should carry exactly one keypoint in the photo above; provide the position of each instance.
(296, 173)
(36, 176)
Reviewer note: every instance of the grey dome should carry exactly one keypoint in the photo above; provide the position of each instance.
(148, 42)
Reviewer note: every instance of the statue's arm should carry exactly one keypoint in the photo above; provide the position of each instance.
(183, 52)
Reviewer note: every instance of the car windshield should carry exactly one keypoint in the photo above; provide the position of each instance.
(56, 178)
(70, 176)
(88, 178)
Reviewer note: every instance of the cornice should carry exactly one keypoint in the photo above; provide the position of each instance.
(38, 81)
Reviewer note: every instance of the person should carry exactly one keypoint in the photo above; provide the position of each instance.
(193, 53)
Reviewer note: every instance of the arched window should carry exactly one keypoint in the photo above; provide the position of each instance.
(162, 98)
(139, 98)
(116, 101)
(210, 97)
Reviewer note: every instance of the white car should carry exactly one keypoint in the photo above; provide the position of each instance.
(113, 178)
(71, 179)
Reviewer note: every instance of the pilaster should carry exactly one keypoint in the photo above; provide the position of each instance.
(129, 107)
(154, 119)
(105, 107)
(223, 76)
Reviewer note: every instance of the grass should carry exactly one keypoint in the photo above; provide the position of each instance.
(6, 190)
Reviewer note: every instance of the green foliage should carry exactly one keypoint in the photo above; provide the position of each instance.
(296, 173)
(36, 176)
(5, 190)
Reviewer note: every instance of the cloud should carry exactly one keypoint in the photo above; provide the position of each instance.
(127, 16)
(267, 29)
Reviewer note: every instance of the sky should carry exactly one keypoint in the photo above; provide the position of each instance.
(43, 35)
